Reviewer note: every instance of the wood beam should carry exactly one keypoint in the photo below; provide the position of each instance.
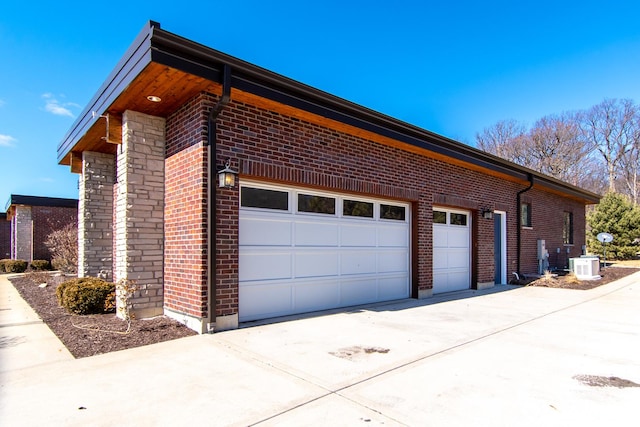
(76, 162)
(114, 129)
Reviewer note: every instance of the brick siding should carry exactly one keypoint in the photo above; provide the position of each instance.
(5, 237)
(269, 146)
(46, 220)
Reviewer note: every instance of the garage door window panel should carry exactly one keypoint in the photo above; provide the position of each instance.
(357, 208)
(262, 198)
(458, 219)
(439, 217)
(316, 204)
(392, 212)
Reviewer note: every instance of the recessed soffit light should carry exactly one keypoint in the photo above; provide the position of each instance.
(154, 98)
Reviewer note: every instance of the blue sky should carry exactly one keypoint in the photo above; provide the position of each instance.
(450, 67)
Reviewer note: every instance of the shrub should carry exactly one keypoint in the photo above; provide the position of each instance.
(63, 245)
(40, 264)
(86, 295)
(2, 263)
(14, 265)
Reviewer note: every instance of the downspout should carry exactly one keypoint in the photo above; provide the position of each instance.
(211, 196)
(519, 216)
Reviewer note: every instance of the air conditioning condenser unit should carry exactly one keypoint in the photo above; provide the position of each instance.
(586, 268)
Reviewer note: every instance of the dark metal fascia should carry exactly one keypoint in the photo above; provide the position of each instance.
(136, 58)
(53, 202)
(565, 188)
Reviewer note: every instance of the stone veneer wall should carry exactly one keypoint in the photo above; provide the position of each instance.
(139, 211)
(95, 216)
(22, 234)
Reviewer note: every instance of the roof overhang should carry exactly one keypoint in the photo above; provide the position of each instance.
(20, 200)
(175, 69)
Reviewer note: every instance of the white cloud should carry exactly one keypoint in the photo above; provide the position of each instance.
(53, 106)
(46, 179)
(6, 140)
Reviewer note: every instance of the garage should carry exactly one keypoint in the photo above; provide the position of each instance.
(451, 250)
(302, 250)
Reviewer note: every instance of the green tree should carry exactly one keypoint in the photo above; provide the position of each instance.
(616, 215)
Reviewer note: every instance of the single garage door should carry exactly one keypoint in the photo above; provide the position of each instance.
(451, 250)
(302, 251)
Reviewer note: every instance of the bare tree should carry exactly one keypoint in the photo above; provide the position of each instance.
(611, 128)
(597, 149)
(552, 146)
(504, 139)
(557, 150)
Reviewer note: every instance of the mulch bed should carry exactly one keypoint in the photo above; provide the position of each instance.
(609, 274)
(97, 333)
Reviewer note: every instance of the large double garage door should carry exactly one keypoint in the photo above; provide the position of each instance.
(302, 251)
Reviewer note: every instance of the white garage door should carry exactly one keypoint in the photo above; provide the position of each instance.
(304, 251)
(451, 250)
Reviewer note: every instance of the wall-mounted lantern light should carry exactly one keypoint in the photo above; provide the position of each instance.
(227, 176)
(487, 213)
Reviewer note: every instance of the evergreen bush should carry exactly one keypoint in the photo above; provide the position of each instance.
(14, 265)
(617, 215)
(86, 295)
(40, 264)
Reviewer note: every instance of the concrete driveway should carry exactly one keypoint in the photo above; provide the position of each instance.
(507, 356)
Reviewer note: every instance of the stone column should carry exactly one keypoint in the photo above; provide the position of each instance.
(95, 216)
(22, 234)
(139, 211)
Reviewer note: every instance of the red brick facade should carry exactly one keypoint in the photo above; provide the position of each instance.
(266, 145)
(47, 220)
(5, 237)
(185, 267)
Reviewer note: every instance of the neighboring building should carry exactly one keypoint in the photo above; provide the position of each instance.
(334, 205)
(5, 237)
(31, 220)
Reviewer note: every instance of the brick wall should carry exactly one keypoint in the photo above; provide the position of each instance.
(269, 146)
(47, 220)
(5, 237)
(547, 223)
(185, 211)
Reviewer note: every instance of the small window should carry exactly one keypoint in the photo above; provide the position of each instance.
(316, 204)
(567, 229)
(392, 212)
(458, 219)
(264, 199)
(356, 208)
(525, 214)
(439, 217)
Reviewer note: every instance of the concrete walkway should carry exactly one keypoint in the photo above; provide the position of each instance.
(25, 341)
(507, 356)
